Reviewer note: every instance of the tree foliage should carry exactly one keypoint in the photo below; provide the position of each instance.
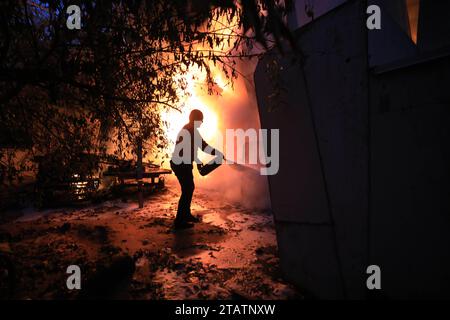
(68, 91)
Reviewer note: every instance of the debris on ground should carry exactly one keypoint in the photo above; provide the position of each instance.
(129, 253)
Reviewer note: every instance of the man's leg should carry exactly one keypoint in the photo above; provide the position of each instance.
(186, 180)
(188, 190)
(187, 215)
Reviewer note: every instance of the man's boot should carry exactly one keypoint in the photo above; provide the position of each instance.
(182, 224)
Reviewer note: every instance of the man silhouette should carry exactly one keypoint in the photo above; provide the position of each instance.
(188, 142)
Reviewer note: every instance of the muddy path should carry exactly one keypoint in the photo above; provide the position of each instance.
(129, 253)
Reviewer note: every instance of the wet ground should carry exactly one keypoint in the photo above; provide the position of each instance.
(129, 253)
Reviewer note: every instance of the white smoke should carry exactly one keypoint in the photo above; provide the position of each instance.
(236, 183)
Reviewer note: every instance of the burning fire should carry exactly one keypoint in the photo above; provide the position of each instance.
(235, 108)
(196, 96)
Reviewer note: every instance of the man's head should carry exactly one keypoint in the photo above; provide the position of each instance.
(196, 117)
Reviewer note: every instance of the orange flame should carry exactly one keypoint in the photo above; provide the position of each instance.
(196, 96)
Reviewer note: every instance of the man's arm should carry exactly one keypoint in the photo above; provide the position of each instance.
(209, 149)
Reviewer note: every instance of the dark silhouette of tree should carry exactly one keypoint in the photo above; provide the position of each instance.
(64, 92)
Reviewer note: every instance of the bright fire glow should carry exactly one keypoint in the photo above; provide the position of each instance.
(193, 98)
(196, 95)
(413, 15)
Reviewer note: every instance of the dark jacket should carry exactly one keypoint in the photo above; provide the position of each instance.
(189, 141)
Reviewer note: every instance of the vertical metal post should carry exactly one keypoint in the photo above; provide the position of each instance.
(139, 173)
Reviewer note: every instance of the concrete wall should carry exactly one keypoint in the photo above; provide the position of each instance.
(381, 194)
(327, 259)
(299, 17)
(434, 25)
(410, 174)
(396, 9)
(393, 42)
